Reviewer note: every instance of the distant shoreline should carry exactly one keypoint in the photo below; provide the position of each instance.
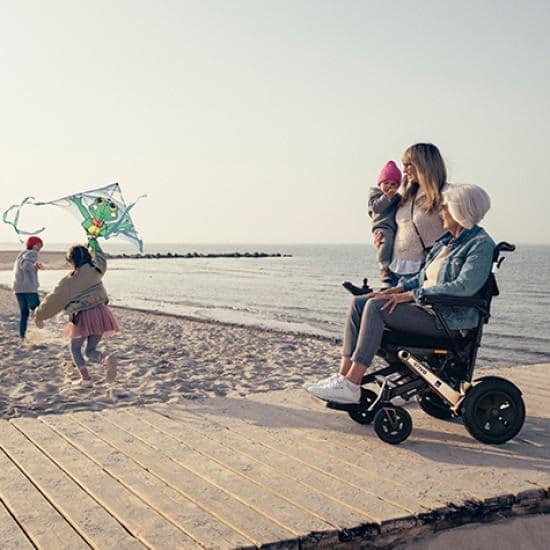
(55, 259)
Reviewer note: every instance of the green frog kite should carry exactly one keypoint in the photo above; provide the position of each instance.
(102, 212)
(101, 219)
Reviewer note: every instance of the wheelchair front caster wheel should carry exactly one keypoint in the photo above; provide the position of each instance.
(360, 413)
(392, 424)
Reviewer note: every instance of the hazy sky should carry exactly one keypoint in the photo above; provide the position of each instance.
(267, 121)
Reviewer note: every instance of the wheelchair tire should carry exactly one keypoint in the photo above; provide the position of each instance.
(392, 424)
(360, 413)
(493, 411)
(434, 405)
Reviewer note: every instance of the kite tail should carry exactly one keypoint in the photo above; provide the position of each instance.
(14, 223)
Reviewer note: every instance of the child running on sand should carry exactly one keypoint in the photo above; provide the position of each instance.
(383, 202)
(83, 297)
(25, 281)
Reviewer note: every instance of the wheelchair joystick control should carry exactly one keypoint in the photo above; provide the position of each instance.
(356, 290)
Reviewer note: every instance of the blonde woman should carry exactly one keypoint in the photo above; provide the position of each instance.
(417, 216)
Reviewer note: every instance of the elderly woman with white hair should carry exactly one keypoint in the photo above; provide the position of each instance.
(458, 265)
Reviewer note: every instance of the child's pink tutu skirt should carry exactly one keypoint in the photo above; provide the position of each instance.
(98, 320)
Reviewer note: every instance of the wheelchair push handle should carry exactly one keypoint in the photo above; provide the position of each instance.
(504, 246)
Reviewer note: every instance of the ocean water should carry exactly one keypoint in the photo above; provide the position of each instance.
(303, 293)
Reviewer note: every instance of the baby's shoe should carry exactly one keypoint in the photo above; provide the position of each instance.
(110, 364)
(385, 276)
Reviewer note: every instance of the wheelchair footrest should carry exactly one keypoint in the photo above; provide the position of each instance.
(341, 406)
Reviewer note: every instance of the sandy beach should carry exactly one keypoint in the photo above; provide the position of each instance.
(162, 358)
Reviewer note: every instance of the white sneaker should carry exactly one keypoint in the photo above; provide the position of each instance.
(323, 381)
(82, 383)
(339, 390)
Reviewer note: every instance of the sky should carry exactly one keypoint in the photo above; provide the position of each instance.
(254, 121)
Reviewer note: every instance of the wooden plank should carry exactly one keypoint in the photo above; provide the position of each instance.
(356, 486)
(11, 534)
(201, 526)
(337, 436)
(423, 459)
(93, 523)
(138, 518)
(44, 525)
(248, 521)
(166, 434)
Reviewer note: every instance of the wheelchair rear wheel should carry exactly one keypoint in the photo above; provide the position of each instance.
(493, 410)
(360, 413)
(434, 405)
(392, 424)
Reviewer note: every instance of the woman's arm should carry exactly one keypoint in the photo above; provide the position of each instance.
(411, 281)
(472, 276)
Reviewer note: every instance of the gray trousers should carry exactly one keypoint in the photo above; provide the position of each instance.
(365, 324)
(90, 351)
(384, 254)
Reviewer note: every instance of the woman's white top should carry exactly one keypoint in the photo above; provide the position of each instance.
(433, 268)
(408, 252)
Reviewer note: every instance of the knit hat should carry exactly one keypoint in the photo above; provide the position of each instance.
(390, 172)
(31, 241)
(467, 203)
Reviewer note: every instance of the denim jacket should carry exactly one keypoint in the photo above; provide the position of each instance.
(463, 272)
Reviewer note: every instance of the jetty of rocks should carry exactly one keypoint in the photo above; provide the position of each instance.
(159, 255)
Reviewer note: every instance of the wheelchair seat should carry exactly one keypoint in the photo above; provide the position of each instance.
(415, 340)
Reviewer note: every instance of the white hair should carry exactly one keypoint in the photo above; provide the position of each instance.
(467, 203)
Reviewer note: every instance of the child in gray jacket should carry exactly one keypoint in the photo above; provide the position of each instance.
(25, 282)
(382, 204)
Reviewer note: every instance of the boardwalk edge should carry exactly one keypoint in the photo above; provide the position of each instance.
(408, 528)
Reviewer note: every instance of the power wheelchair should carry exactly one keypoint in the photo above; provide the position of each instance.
(438, 372)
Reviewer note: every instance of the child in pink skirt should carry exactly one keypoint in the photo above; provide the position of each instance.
(83, 297)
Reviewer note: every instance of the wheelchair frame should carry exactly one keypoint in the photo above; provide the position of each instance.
(439, 372)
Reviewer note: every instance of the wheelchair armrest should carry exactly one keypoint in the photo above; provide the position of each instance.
(443, 300)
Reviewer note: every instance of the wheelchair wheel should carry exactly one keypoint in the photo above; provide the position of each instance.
(392, 424)
(360, 413)
(493, 411)
(434, 405)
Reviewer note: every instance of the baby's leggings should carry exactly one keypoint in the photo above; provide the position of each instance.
(91, 352)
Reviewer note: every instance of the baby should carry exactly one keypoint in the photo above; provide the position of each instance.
(383, 202)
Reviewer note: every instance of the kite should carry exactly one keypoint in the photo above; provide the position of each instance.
(103, 213)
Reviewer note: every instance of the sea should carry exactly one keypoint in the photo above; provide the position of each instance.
(302, 291)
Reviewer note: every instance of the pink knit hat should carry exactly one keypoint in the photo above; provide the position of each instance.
(390, 172)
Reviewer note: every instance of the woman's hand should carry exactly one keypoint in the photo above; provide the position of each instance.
(394, 299)
(378, 238)
(392, 290)
(385, 294)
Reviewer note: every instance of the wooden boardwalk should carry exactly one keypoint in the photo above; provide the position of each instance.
(275, 469)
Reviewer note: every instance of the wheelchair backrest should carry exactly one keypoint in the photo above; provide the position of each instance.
(490, 288)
